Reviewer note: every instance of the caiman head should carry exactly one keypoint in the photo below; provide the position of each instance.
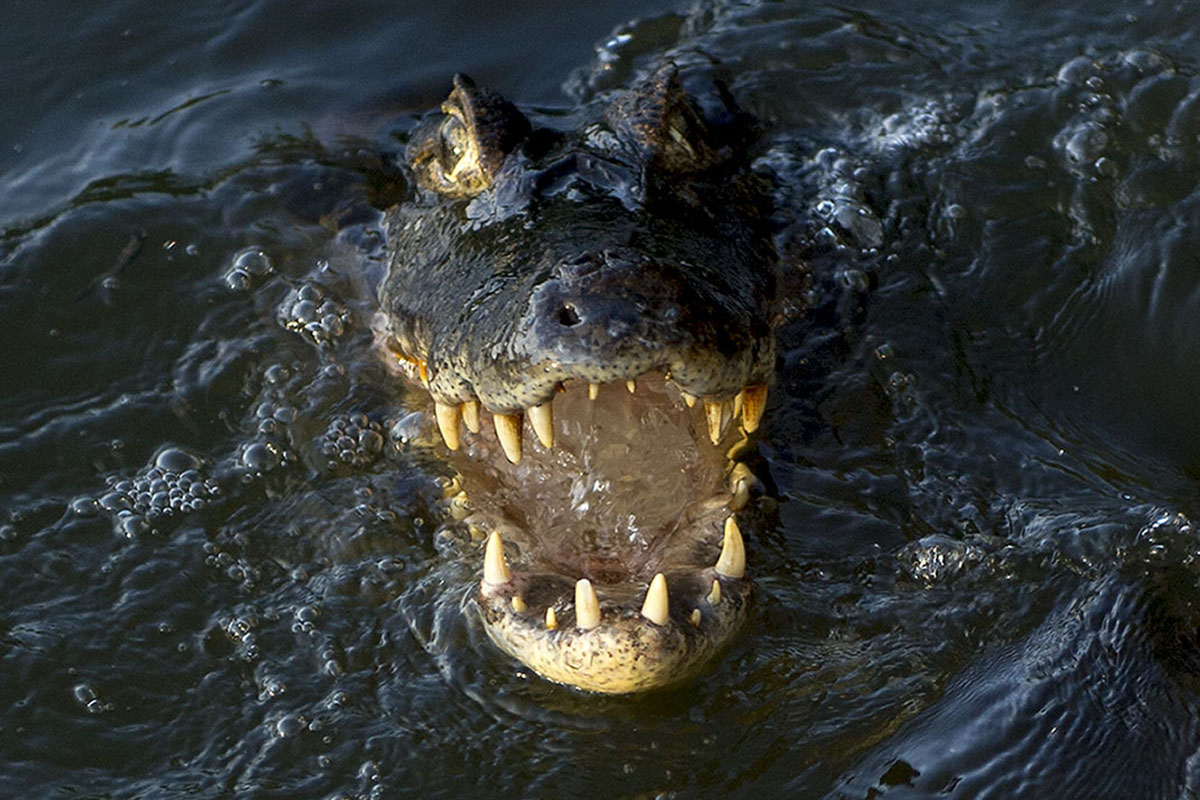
(607, 277)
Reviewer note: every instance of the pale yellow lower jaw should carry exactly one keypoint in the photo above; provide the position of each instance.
(604, 646)
(623, 652)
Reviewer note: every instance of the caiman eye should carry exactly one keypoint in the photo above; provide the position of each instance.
(459, 154)
(454, 145)
(682, 126)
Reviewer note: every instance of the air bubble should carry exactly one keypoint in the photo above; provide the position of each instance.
(175, 460)
(1107, 167)
(289, 725)
(308, 311)
(352, 439)
(260, 457)
(173, 485)
(85, 507)
(237, 280)
(253, 261)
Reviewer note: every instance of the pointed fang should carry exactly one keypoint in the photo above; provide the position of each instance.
(732, 562)
(695, 618)
(508, 431)
(518, 604)
(656, 608)
(714, 596)
(715, 413)
(551, 618)
(753, 404)
(587, 605)
(447, 420)
(631, 385)
(470, 415)
(542, 419)
(495, 568)
(690, 399)
(593, 391)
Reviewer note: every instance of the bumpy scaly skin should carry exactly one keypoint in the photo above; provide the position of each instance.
(624, 653)
(590, 264)
(635, 244)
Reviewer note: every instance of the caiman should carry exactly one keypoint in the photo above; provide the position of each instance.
(588, 299)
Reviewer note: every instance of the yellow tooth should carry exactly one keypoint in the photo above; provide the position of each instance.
(741, 481)
(593, 391)
(690, 399)
(714, 596)
(656, 608)
(587, 605)
(470, 415)
(551, 618)
(732, 562)
(508, 431)
(752, 406)
(447, 420)
(495, 568)
(542, 419)
(737, 403)
(695, 618)
(518, 604)
(460, 506)
(715, 412)
(631, 385)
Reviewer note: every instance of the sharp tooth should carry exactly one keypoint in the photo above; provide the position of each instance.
(738, 399)
(715, 412)
(551, 618)
(732, 562)
(508, 431)
(593, 391)
(752, 406)
(631, 385)
(542, 419)
(518, 604)
(714, 596)
(447, 420)
(656, 608)
(587, 605)
(690, 399)
(695, 618)
(741, 482)
(495, 568)
(470, 415)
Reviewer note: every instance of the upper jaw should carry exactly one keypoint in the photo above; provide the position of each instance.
(744, 406)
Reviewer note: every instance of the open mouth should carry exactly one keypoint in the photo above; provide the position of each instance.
(612, 561)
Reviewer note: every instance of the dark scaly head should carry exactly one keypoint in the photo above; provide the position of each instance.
(624, 244)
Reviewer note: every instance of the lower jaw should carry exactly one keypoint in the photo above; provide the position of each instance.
(625, 652)
(626, 636)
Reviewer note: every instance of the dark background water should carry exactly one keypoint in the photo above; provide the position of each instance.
(978, 575)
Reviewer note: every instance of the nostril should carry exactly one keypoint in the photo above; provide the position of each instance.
(568, 316)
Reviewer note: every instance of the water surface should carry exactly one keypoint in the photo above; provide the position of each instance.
(222, 566)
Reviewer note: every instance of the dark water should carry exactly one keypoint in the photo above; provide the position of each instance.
(978, 577)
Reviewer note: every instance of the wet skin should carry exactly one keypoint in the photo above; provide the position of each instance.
(608, 278)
